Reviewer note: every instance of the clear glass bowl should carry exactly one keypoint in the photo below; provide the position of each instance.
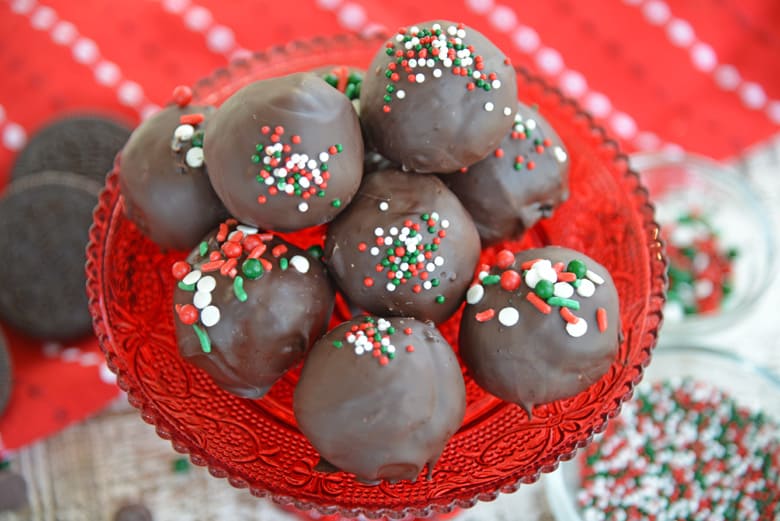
(681, 183)
(751, 385)
(256, 444)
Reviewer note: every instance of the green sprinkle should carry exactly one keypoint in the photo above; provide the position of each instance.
(564, 303)
(315, 251)
(389, 52)
(238, 289)
(435, 283)
(388, 98)
(390, 89)
(180, 465)
(577, 267)
(351, 91)
(255, 158)
(205, 342)
(203, 248)
(284, 263)
(489, 280)
(339, 148)
(197, 139)
(425, 217)
(544, 289)
(332, 80)
(5, 464)
(354, 78)
(390, 330)
(253, 269)
(338, 344)
(336, 203)
(440, 299)
(186, 287)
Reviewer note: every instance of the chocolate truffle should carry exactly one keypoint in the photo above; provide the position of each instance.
(522, 181)
(439, 96)
(380, 397)
(404, 247)
(248, 305)
(285, 153)
(163, 178)
(540, 325)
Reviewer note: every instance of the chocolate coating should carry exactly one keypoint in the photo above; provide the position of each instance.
(523, 181)
(435, 123)
(377, 417)
(255, 341)
(316, 120)
(169, 201)
(536, 360)
(436, 263)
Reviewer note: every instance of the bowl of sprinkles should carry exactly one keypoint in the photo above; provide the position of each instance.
(699, 441)
(718, 239)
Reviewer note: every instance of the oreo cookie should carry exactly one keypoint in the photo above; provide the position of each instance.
(83, 145)
(133, 512)
(44, 226)
(13, 491)
(6, 381)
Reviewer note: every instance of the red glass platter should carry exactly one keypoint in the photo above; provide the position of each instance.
(256, 444)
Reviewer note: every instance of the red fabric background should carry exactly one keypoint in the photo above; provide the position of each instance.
(658, 73)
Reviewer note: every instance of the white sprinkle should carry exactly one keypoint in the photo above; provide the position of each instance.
(430, 266)
(530, 124)
(390, 286)
(563, 289)
(586, 288)
(594, 277)
(388, 241)
(379, 231)
(427, 284)
(359, 350)
(461, 33)
(303, 207)
(436, 27)
(400, 94)
(419, 77)
(475, 294)
(435, 216)
(311, 164)
(489, 106)
(439, 261)
(191, 277)
(194, 157)
(207, 284)
(382, 324)
(201, 299)
(437, 73)
(269, 180)
(496, 84)
(507, 111)
(445, 224)
(412, 63)
(383, 206)
(393, 230)
(452, 30)
(288, 189)
(532, 278)
(560, 154)
(246, 230)
(577, 329)
(508, 316)
(184, 132)
(300, 263)
(374, 251)
(304, 182)
(548, 274)
(482, 275)
(703, 288)
(430, 63)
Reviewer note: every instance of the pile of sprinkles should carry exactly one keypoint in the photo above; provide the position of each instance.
(421, 53)
(188, 130)
(373, 336)
(286, 172)
(700, 267)
(551, 285)
(524, 129)
(683, 449)
(404, 257)
(238, 253)
(346, 81)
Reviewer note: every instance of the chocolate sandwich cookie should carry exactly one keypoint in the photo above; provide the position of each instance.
(133, 512)
(437, 97)
(82, 144)
(13, 491)
(6, 377)
(519, 183)
(44, 225)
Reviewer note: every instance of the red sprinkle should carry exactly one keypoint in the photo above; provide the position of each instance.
(484, 316)
(408, 331)
(410, 348)
(182, 95)
(188, 314)
(362, 246)
(504, 259)
(567, 276)
(568, 316)
(258, 251)
(180, 269)
(538, 303)
(510, 280)
(212, 266)
(279, 250)
(222, 233)
(215, 255)
(601, 319)
(368, 282)
(527, 265)
(229, 266)
(191, 119)
(232, 249)
(296, 139)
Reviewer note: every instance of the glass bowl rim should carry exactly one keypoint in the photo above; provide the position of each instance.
(606, 145)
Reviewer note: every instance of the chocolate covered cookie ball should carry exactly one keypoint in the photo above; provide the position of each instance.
(163, 179)
(380, 397)
(437, 97)
(285, 153)
(404, 247)
(520, 182)
(247, 307)
(540, 325)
